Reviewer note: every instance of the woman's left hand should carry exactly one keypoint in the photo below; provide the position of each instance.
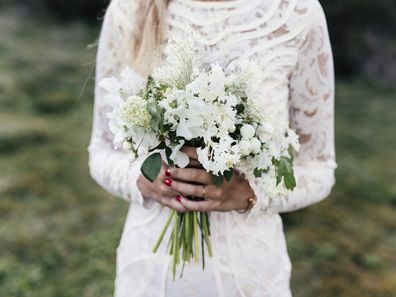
(195, 181)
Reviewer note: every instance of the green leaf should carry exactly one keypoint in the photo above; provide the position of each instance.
(240, 108)
(151, 166)
(218, 179)
(258, 172)
(168, 152)
(284, 170)
(161, 146)
(228, 174)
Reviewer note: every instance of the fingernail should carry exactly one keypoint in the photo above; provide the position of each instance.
(178, 198)
(168, 182)
(167, 172)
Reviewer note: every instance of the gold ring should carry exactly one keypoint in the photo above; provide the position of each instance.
(203, 192)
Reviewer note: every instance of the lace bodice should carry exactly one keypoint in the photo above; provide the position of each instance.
(289, 39)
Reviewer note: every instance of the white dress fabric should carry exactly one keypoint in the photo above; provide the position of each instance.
(289, 39)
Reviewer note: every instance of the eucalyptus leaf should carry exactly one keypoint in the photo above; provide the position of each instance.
(284, 170)
(151, 166)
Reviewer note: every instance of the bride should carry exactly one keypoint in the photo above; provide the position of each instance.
(289, 40)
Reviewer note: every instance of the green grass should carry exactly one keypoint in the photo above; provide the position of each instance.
(59, 231)
(345, 246)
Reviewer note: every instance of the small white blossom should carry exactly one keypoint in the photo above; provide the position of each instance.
(245, 147)
(255, 145)
(247, 131)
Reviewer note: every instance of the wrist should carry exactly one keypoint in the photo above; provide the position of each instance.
(141, 185)
(250, 203)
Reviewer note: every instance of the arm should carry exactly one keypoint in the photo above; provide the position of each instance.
(110, 168)
(312, 116)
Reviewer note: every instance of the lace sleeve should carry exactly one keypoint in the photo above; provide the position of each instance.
(312, 116)
(111, 168)
(311, 106)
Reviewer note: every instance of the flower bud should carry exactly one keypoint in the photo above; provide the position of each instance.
(247, 131)
(126, 146)
(232, 129)
(255, 145)
(244, 147)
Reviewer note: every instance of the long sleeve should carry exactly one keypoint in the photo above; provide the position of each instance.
(112, 168)
(312, 116)
(311, 109)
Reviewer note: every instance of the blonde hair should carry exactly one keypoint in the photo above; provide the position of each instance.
(150, 33)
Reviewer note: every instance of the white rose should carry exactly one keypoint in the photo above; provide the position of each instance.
(255, 145)
(247, 131)
(244, 147)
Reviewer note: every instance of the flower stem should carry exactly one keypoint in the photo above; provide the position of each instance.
(156, 246)
(206, 233)
(196, 239)
(175, 244)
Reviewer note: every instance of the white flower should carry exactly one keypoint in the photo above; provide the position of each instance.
(247, 131)
(244, 146)
(255, 145)
(181, 159)
(182, 60)
(130, 83)
(134, 113)
(219, 157)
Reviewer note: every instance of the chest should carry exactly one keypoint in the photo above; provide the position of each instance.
(266, 31)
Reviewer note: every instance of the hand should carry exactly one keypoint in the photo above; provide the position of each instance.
(232, 195)
(160, 189)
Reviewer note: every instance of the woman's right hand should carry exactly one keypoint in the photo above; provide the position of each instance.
(160, 189)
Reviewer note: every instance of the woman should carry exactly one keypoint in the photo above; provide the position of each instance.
(289, 39)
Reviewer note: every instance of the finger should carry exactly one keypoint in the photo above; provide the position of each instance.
(203, 206)
(167, 191)
(195, 164)
(174, 204)
(187, 189)
(192, 175)
(190, 151)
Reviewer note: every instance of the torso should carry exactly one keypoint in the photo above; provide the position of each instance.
(250, 256)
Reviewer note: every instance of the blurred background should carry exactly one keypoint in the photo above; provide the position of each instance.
(59, 231)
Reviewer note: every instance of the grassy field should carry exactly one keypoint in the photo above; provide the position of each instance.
(59, 231)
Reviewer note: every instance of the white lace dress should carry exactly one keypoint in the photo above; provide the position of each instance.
(289, 39)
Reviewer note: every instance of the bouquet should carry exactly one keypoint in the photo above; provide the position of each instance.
(220, 111)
